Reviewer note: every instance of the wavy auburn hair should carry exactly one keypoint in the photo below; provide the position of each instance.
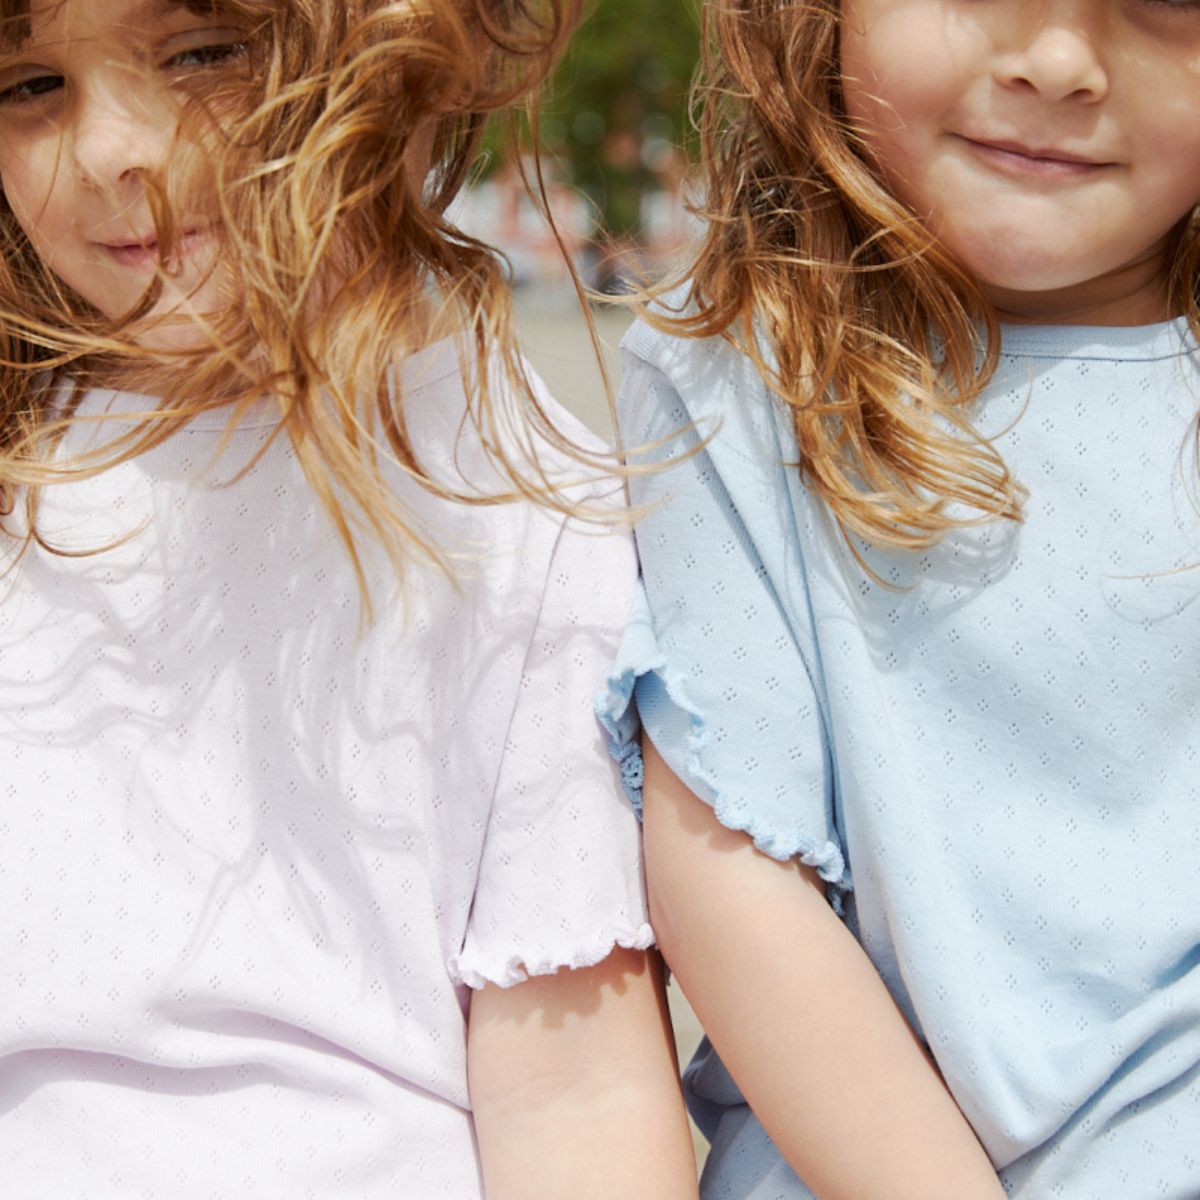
(857, 319)
(304, 147)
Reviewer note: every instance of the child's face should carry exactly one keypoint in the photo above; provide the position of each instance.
(1051, 144)
(88, 107)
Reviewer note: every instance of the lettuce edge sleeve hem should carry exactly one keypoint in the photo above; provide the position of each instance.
(618, 715)
(518, 968)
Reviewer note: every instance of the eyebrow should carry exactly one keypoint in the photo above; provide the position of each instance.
(16, 31)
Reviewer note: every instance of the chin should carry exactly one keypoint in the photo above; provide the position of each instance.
(1038, 269)
(177, 324)
(175, 336)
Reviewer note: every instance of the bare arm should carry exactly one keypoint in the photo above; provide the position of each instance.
(799, 1015)
(575, 1087)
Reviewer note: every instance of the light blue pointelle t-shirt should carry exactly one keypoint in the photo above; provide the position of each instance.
(995, 762)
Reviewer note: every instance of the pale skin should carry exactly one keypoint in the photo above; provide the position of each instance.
(854, 1103)
(574, 1087)
(1052, 145)
(89, 108)
(573, 1078)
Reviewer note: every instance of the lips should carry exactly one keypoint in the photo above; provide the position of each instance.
(1049, 163)
(139, 252)
(1035, 163)
(1038, 154)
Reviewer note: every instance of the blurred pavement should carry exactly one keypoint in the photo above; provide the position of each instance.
(556, 340)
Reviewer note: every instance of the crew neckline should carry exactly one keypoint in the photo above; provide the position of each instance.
(1165, 339)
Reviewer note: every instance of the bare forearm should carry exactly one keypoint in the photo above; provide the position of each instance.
(616, 1146)
(800, 1016)
(575, 1088)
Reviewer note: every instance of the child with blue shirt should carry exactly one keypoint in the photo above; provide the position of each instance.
(917, 661)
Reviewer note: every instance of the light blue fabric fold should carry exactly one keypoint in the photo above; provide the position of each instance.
(991, 756)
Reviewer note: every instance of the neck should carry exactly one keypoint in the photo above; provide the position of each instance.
(1135, 294)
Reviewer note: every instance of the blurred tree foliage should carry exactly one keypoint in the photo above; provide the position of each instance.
(618, 105)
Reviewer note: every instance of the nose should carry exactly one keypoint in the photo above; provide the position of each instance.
(118, 136)
(1057, 51)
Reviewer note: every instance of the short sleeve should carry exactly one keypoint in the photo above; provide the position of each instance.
(560, 880)
(720, 651)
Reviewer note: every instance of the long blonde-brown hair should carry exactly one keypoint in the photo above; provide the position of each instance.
(856, 317)
(337, 245)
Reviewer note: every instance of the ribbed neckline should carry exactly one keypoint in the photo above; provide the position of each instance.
(1167, 339)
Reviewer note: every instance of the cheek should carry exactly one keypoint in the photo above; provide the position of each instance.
(1170, 157)
(910, 69)
(1155, 102)
(894, 96)
(32, 197)
(887, 120)
(862, 86)
(897, 57)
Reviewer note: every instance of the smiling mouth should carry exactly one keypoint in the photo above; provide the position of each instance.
(1048, 163)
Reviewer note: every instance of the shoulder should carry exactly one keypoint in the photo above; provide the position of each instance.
(705, 384)
(527, 486)
(701, 369)
(467, 421)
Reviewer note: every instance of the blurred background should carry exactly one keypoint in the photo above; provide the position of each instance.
(616, 137)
